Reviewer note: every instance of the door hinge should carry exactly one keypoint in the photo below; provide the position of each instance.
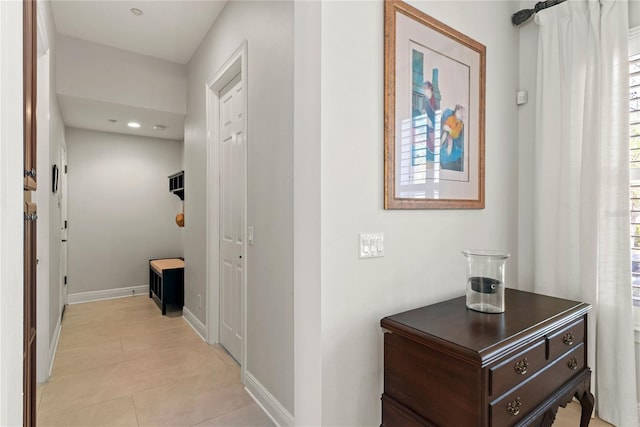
(65, 225)
(65, 168)
(65, 280)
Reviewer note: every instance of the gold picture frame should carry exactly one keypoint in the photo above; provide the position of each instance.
(434, 113)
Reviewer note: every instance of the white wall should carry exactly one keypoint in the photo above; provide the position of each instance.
(634, 13)
(422, 263)
(50, 140)
(307, 201)
(57, 142)
(120, 210)
(99, 72)
(11, 220)
(528, 54)
(268, 28)
(41, 197)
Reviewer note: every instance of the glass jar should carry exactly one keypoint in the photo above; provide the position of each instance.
(485, 280)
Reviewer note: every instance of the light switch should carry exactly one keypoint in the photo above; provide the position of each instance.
(522, 97)
(371, 245)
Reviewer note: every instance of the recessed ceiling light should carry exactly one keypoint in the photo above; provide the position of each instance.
(133, 125)
(112, 120)
(136, 11)
(159, 127)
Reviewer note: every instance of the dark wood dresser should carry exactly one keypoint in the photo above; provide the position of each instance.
(445, 365)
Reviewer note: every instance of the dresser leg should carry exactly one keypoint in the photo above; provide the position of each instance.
(586, 401)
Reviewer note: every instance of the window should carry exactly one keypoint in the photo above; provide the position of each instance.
(634, 164)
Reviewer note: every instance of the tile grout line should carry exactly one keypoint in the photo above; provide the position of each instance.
(92, 405)
(79, 371)
(133, 401)
(135, 410)
(40, 399)
(224, 413)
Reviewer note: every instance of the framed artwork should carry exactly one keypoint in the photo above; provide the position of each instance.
(433, 113)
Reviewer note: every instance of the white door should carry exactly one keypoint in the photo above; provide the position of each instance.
(62, 201)
(232, 214)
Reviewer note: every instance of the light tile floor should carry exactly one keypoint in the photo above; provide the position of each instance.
(570, 417)
(121, 363)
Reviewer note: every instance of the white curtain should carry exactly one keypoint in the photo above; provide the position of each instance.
(581, 181)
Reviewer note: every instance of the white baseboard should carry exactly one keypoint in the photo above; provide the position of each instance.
(53, 348)
(195, 323)
(81, 297)
(269, 404)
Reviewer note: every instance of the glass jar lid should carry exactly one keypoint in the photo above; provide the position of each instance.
(486, 253)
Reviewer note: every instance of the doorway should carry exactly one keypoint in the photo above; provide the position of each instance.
(64, 225)
(232, 184)
(227, 148)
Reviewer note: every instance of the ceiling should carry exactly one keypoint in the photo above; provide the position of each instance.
(169, 30)
(89, 114)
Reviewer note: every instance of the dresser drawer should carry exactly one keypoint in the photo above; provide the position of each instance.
(396, 414)
(517, 369)
(513, 406)
(565, 338)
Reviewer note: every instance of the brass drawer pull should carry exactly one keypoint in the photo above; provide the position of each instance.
(521, 366)
(513, 408)
(568, 338)
(573, 363)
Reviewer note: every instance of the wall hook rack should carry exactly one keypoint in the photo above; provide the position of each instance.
(176, 184)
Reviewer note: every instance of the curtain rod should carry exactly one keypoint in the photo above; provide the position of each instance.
(523, 15)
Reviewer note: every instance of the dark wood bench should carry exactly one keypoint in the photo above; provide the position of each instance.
(166, 282)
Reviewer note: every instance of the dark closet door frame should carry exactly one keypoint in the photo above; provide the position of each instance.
(30, 211)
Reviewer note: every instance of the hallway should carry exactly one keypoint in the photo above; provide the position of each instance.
(119, 362)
